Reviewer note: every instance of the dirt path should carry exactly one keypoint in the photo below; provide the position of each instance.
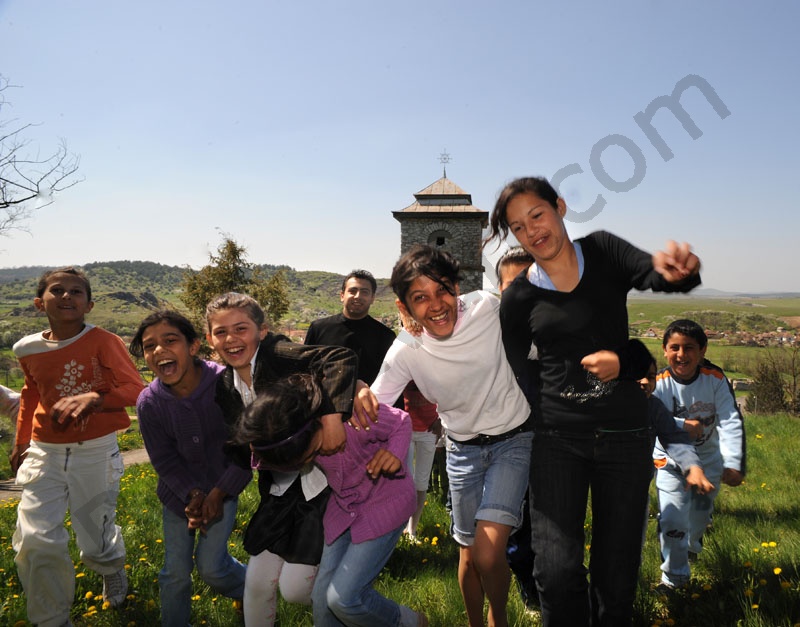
(10, 490)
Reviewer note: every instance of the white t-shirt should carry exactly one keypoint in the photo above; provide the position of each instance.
(467, 374)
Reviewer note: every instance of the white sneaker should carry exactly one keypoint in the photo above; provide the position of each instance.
(115, 587)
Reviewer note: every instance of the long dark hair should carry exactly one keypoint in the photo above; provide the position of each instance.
(498, 221)
(280, 424)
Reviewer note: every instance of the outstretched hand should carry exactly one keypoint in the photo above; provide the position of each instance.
(676, 262)
(365, 407)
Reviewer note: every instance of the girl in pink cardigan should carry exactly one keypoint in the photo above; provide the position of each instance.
(372, 496)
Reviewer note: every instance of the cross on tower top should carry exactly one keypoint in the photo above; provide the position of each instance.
(444, 159)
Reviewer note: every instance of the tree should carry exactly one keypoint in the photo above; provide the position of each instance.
(27, 180)
(229, 271)
(766, 395)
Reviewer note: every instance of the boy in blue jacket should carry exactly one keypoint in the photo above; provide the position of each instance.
(702, 402)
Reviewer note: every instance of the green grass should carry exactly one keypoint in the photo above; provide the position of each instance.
(747, 576)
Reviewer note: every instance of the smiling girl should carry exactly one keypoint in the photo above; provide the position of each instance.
(591, 431)
(284, 536)
(184, 431)
(458, 362)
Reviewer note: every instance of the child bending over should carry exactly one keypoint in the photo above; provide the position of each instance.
(371, 501)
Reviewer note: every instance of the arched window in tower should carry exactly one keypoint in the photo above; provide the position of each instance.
(439, 238)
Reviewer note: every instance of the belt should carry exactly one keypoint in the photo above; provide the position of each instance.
(485, 440)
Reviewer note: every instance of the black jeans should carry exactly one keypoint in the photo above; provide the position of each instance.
(616, 467)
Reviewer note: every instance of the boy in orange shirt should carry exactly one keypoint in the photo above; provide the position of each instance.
(78, 381)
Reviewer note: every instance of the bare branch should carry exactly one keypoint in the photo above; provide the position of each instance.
(28, 181)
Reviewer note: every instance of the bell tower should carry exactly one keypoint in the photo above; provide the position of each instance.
(442, 215)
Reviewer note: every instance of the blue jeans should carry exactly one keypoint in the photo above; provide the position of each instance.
(616, 467)
(343, 592)
(215, 565)
(487, 482)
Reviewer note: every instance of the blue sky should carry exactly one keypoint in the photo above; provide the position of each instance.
(298, 127)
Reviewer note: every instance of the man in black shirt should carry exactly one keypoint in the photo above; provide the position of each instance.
(354, 328)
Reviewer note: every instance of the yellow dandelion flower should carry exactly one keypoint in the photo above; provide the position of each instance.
(158, 541)
(93, 608)
(131, 597)
(196, 597)
(748, 592)
(759, 436)
(786, 585)
(232, 544)
(754, 606)
(755, 550)
(142, 559)
(777, 570)
(695, 596)
(765, 544)
(2, 570)
(748, 564)
(435, 541)
(79, 575)
(424, 560)
(670, 621)
(762, 582)
(127, 566)
(706, 586)
(773, 544)
(106, 605)
(88, 595)
(131, 624)
(237, 604)
(20, 623)
(763, 485)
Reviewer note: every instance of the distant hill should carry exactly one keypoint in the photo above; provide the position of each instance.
(126, 291)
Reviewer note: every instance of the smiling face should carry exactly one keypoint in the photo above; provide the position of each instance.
(65, 300)
(357, 297)
(538, 227)
(235, 337)
(432, 306)
(171, 357)
(683, 355)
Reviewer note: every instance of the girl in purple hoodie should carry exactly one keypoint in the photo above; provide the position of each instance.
(184, 432)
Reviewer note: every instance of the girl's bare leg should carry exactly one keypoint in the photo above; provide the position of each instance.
(471, 590)
(489, 560)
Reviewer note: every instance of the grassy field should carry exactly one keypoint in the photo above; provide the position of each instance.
(747, 576)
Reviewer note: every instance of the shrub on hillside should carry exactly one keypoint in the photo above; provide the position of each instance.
(766, 395)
